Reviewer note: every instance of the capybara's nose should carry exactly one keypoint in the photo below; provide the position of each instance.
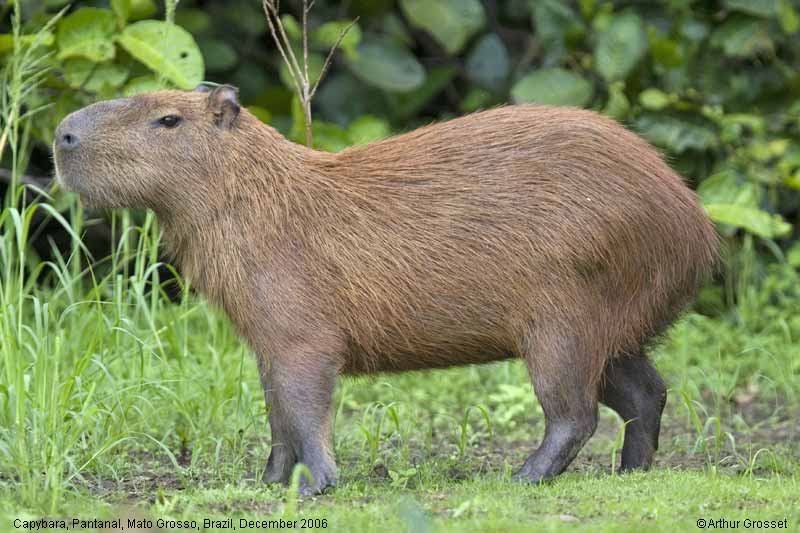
(68, 141)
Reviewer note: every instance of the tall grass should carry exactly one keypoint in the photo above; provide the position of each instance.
(79, 344)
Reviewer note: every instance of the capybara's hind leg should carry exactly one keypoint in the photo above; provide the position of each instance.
(300, 390)
(632, 387)
(564, 386)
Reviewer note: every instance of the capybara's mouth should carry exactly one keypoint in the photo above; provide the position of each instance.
(64, 175)
(74, 181)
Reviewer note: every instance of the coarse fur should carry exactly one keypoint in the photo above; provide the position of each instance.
(550, 234)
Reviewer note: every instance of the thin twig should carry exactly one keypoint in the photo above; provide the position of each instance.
(306, 9)
(306, 98)
(329, 59)
(282, 42)
(300, 76)
(288, 45)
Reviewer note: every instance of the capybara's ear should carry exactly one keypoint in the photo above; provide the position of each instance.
(202, 88)
(223, 102)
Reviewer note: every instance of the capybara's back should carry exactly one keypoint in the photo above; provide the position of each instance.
(467, 241)
(549, 234)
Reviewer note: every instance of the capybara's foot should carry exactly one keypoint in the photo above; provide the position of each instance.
(324, 480)
(272, 476)
(633, 388)
(279, 466)
(529, 476)
(562, 442)
(323, 477)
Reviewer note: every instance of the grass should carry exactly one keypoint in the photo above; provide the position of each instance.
(115, 401)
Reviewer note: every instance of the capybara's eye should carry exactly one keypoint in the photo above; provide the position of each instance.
(169, 121)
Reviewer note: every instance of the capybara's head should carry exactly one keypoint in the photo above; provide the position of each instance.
(148, 150)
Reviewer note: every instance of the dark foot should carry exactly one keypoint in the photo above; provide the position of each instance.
(280, 469)
(562, 442)
(323, 480)
(279, 466)
(633, 388)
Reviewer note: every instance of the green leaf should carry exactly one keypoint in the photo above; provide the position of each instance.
(386, 65)
(39, 39)
(551, 18)
(122, 10)
(367, 129)
(260, 113)
(142, 84)
(729, 187)
(587, 7)
(88, 32)
(450, 22)
(343, 98)
(245, 17)
(408, 104)
(218, 55)
(793, 180)
(81, 73)
(475, 99)
(676, 134)
(620, 47)
(329, 137)
(654, 99)
(292, 27)
(393, 27)
(694, 30)
(142, 9)
(488, 64)
(759, 8)
(742, 37)
(618, 105)
(736, 126)
(166, 49)
(793, 256)
(556, 26)
(195, 21)
(753, 220)
(788, 16)
(663, 50)
(327, 35)
(553, 86)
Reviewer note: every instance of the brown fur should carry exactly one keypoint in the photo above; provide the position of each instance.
(550, 234)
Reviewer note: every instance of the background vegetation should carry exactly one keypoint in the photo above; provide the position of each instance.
(109, 392)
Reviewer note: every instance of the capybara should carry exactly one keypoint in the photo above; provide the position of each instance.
(550, 234)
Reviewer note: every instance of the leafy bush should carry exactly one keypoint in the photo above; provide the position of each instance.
(715, 85)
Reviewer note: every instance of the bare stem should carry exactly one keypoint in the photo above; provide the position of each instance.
(300, 76)
(329, 59)
(306, 100)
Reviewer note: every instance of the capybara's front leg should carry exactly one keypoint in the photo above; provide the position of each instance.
(281, 456)
(299, 386)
